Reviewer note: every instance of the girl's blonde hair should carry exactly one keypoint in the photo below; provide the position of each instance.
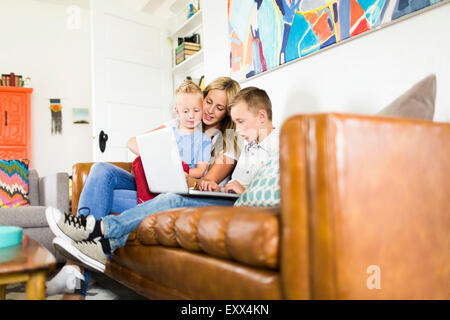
(231, 88)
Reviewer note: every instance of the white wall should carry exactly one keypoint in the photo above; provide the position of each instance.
(360, 76)
(36, 42)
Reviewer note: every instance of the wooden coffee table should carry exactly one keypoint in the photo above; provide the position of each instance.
(27, 262)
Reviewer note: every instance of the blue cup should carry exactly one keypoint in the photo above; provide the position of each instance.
(10, 236)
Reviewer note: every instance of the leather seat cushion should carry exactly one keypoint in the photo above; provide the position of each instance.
(244, 234)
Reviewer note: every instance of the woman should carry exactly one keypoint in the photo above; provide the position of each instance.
(109, 188)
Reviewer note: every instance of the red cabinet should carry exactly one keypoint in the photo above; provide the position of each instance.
(15, 122)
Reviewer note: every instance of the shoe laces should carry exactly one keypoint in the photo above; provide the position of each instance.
(89, 241)
(78, 222)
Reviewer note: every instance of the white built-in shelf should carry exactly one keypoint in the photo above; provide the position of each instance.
(193, 65)
(189, 26)
(189, 63)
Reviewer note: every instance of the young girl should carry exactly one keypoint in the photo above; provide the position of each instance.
(194, 145)
(109, 188)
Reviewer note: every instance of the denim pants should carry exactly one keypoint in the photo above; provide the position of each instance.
(108, 188)
(118, 228)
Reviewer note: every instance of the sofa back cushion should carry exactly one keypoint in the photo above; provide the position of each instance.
(264, 189)
(14, 183)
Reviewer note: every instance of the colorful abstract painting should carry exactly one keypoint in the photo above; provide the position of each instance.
(265, 34)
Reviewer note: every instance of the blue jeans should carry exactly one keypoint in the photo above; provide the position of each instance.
(118, 228)
(108, 188)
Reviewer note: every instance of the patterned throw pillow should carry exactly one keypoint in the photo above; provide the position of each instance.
(14, 183)
(264, 190)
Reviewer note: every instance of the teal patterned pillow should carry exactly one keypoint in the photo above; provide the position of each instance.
(264, 190)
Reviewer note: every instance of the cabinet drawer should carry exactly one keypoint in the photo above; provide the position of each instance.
(9, 153)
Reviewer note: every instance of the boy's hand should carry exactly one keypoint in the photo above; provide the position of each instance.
(235, 187)
(209, 186)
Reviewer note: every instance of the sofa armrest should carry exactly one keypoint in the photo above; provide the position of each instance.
(54, 191)
(364, 196)
(80, 172)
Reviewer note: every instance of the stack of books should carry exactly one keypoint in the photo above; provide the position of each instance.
(11, 80)
(185, 50)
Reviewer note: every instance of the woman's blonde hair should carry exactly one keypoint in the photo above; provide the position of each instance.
(231, 88)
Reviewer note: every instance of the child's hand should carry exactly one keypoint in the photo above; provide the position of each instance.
(199, 170)
(190, 181)
(209, 186)
(234, 187)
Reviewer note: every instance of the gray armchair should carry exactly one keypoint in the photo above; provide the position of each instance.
(46, 191)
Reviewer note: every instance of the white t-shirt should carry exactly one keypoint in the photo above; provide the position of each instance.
(253, 156)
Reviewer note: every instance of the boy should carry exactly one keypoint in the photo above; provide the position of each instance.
(251, 111)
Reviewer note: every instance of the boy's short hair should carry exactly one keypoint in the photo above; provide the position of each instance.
(190, 87)
(255, 98)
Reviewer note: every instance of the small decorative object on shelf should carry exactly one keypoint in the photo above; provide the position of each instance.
(192, 8)
(27, 82)
(195, 38)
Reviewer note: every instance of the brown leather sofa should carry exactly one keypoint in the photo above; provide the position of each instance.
(365, 207)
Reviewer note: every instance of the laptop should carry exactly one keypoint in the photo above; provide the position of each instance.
(162, 165)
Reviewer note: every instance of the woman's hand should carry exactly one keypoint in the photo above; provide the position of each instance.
(209, 186)
(234, 187)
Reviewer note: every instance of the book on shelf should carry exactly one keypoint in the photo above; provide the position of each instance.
(187, 46)
(179, 55)
(190, 52)
(185, 53)
(11, 80)
(180, 60)
(192, 44)
(180, 48)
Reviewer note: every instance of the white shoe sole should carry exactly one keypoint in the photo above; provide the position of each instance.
(72, 253)
(53, 226)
